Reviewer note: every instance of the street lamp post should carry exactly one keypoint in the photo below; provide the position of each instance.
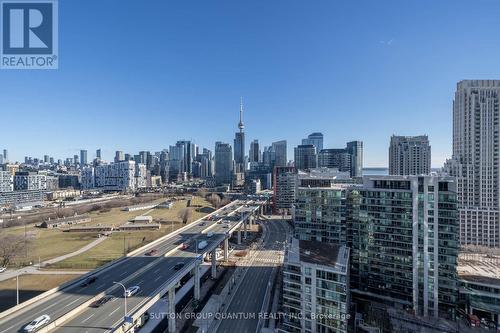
(17, 287)
(125, 298)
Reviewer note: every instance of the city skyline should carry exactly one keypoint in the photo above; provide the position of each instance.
(309, 74)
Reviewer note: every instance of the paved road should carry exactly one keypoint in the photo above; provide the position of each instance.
(250, 295)
(110, 314)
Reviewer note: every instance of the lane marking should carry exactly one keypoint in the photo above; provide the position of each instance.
(113, 311)
(8, 328)
(159, 277)
(88, 318)
(76, 300)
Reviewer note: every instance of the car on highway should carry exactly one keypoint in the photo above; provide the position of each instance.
(202, 224)
(210, 234)
(184, 246)
(101, 301)
(151, 252)
(131, 291)
(226, 226)
(219, 222)
(36, 324)
(88, 281)
(3, 269)
(178, 266)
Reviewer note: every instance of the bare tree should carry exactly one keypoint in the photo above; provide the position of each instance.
(214, 200)
(225, 201)
(11, 246)
(185, 215)
(202, 193)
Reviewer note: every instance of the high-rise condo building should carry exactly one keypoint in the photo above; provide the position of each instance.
(476, 160)
(316, 287)
(403, 235)
(402, 232)
(305, 157)
(355, 149)
(315, 139)
(6, 181)
(121, 176)
(409, 155)
(284, 180)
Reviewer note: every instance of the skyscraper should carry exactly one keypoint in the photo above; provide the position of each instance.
(409, 155)
(403, 236)
(279, 148)
(335, 158)
(306, 157)
(98, 154)
(5, 156)
(355, 149)
(188, 149)
(119, 156)
(315, 139)
(223, 163)
(475, 160)
(239, 143)
(284, 181)
(83, 157)
(254, 155)
(402, 232)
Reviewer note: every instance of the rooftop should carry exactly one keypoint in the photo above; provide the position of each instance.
(479, 267)
(318, 253)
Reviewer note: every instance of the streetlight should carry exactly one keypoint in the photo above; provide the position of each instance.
(125, 298)
(17, 286)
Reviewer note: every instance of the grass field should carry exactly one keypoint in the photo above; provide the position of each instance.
(121, 242)
(29, 286)
(50, 243)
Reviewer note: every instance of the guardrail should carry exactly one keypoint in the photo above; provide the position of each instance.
(76, 310)
(24, 306)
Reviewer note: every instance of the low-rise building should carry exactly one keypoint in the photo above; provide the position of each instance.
(142, 219)
(65, 221)
(62, 194)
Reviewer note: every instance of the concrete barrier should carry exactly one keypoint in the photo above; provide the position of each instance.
(61, 320)
(176, 232)
(24, 306)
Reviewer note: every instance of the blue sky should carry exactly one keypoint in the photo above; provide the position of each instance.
(139, 75)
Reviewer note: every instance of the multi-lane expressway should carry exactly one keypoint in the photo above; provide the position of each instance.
(155, 275)
(253, 292)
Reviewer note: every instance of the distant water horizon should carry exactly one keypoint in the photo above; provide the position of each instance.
(381, 171)
(375, 171)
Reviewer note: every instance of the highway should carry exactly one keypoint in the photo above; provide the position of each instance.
(250, 295)
(156, 270)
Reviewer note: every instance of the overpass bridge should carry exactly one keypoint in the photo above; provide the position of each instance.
(68, 306)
